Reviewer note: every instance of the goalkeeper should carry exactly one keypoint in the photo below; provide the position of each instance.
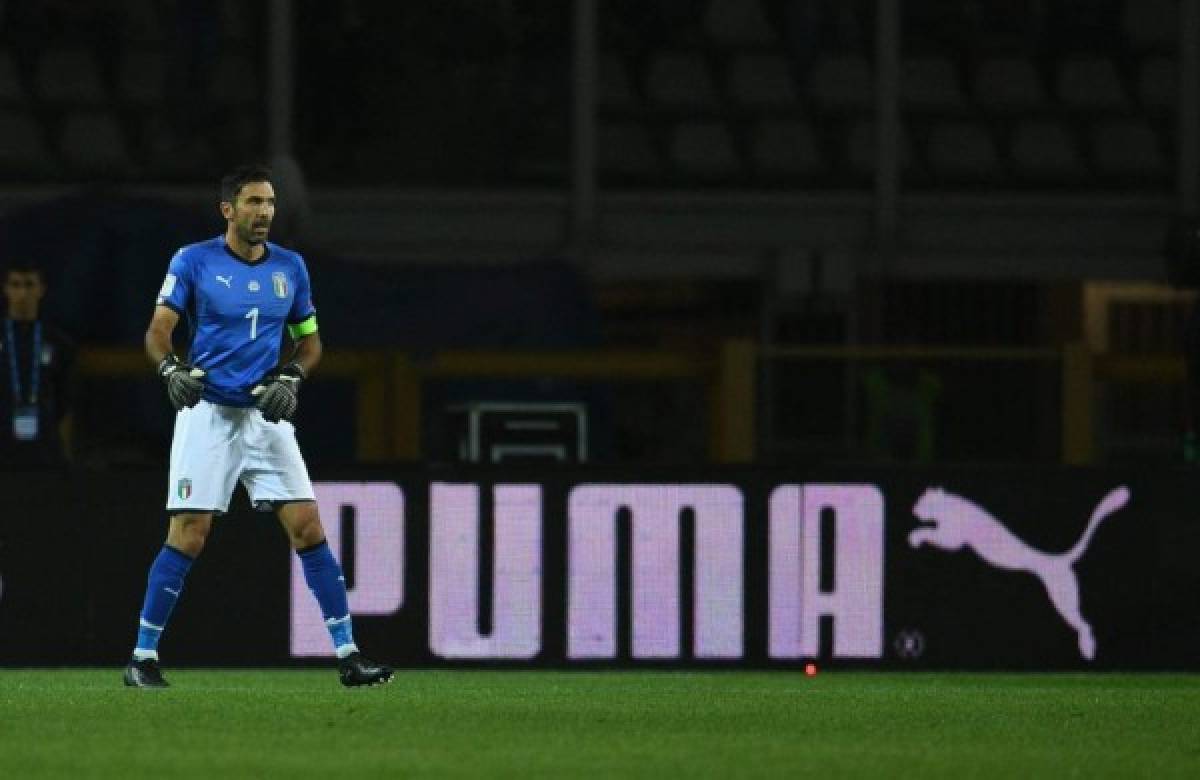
(234, 402)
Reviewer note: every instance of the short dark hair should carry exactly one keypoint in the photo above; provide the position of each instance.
(232, 182)
(17, 266)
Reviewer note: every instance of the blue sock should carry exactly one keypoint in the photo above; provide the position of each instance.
(325, 580)
(163, 586)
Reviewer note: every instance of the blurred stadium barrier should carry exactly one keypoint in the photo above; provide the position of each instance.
(766, 404)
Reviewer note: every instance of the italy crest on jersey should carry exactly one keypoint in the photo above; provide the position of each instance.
(279, 282)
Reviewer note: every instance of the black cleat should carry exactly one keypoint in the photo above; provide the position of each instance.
(355, 670)
(144, 674)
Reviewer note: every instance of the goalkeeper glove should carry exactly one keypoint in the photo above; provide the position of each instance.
(184, 384)
(278, 393)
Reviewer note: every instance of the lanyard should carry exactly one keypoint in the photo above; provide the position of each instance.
(35, 372)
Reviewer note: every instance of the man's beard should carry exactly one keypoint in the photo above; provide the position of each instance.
(250, 237)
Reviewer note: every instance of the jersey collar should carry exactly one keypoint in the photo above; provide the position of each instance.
(244, 261)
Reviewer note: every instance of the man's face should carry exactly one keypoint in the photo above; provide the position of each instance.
(24, 290)
(252, 211)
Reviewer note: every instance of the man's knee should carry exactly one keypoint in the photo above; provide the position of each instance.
(189, 531)
(303, 524)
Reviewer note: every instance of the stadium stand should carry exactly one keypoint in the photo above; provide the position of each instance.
(963, 151)
(69, 76)
(738, 24)
(931, 84)
(681, 81)
(1151, 25)
(1000, 95)
(624, 151)
(1127, 150)
(843, 83)
(142, 77)
(783, 149)
(1157, 85)
(861, 146)
(1045, 152)
(142, 21)
(93, 143)
(615, 87)
(763, 82)
(24, 152)
(11, 91)
(234, 84)
(1090, 84)
(704, 149)
(773, 89)
(1009, 85)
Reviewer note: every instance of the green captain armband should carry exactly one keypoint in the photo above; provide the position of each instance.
(302, 329)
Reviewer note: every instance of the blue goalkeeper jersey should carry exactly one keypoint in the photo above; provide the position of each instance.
(236, 312)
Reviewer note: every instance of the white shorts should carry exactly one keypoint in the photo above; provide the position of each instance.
(215, 446)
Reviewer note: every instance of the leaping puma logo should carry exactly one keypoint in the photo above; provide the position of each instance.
(958, 522)
(225, 280)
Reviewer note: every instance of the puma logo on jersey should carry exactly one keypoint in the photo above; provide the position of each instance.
(950, 522)
(225, 280)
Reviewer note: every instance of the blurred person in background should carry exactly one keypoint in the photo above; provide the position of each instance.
(37, 360)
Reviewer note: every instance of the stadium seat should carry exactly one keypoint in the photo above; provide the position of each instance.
(143, 74)
(705, 149)
(785, 148)
(235, 21)
(1045, 149)
(843, 83)
(762, 81)
(24, 149)
(614, 88)
(1090, 84)
(235, 80)
(143, 21)
(994, 25)
(1128, 149)
(738, 23)
(962, 150)
(680, 80)
(69, 76)
(1152, 25)
(11, 90)
(92, 142)
(624, 148)
(1083, 25)
(861, 148)
(931, 84)
(1008, 85)
(1157, 84)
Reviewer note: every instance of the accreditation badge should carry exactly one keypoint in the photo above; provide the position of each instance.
(25, 422)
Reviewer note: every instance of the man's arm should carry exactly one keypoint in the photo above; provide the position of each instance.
(307, 352)
(277, 393)
(158, 335)
(185, 385)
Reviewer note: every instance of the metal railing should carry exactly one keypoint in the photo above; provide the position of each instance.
(1047, 395)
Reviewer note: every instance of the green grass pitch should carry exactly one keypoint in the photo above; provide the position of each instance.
(258, 723)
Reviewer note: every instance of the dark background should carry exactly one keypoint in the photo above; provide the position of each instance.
(789, 172)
